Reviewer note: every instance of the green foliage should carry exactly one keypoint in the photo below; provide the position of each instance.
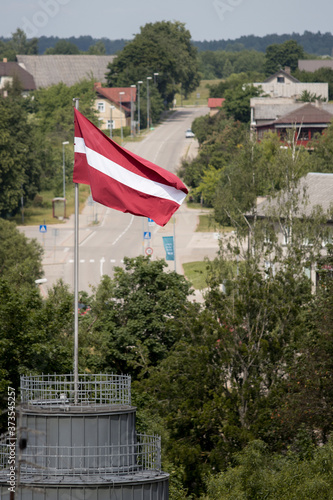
(233, 81)
(20, 165)
(259, 475)
(163, 47)
(237, 102)
(136, 317)
(18, 44)
(98, 49)
(221, 64)
(20, 259)
(63, 47)
(278, 56)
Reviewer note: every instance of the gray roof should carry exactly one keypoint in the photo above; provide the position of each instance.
(318, 190)
(314, 64)
(12, 68)
(52, 69)
(284, 73)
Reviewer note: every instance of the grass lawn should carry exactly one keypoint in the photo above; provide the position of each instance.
(197, 97)
(42, 213)
(196, 273)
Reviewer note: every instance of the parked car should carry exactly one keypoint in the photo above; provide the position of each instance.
(189, 134)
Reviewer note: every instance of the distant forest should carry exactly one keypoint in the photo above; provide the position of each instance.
(318, 44)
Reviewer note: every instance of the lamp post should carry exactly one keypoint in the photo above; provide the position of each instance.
(111, 108)
(132, 110)
(155, 75)
(63, 168)
(139, 83)
(148, 119)
(121, 118)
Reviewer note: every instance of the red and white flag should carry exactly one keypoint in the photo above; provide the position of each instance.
(122, 180)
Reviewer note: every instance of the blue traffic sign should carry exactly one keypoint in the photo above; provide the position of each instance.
(42, 228)
(147, 235)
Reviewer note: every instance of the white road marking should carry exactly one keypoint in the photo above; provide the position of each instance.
(101, 266)
(125, 231)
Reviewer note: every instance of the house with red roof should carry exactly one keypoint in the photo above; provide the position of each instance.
(215, 104)
(115, 106)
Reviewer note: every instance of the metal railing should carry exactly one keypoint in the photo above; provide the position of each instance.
(70, 461)
(58, 390)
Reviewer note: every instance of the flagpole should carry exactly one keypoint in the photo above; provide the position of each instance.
(174, 240)
(76, 285)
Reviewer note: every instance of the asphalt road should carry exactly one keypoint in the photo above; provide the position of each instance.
(106, 235)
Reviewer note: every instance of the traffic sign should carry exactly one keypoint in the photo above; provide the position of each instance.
(151, 222)
(147, 235)
(149, 250)
(42, 228)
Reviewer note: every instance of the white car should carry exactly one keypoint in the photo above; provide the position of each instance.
(189, 134)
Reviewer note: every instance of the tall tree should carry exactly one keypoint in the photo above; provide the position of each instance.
(20, 166)
(281, 55)
(132, 320)
(164, 48)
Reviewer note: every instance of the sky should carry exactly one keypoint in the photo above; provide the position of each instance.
(205, 19)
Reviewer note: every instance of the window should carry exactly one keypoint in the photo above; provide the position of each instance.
(101, 106)
(109, 121)
(280, 79)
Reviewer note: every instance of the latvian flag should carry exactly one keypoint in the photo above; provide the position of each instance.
(122, 180)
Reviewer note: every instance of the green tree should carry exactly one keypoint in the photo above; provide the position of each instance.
(132, 320)
(97, 49)
(63, 47)
(20, 259)
(18, 44)
(164, 48)
(20, 166)
(237, 102)
(278, 56)
(257, 474)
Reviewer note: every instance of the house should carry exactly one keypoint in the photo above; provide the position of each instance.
(315, 190)
(10, 69)
(50, 70)
(283, 84)
(215, 104)
(115, 106)
(306, 119)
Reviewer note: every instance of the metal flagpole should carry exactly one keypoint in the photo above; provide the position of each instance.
(76, 285)
(174, 240)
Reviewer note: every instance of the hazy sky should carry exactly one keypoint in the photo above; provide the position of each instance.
(205, 19)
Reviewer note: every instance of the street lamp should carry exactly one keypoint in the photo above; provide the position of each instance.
(111, 108)
(132, 118)
(63, 169)
(155, 75)
(139, 83)
(121, 118)
(148, 119)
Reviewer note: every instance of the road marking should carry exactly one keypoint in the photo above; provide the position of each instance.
(92, 260)
(101, 266)
(66, 249)
(82, 261)
(87, 238)
(71, 261)
(125, 231)
(112, 260)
